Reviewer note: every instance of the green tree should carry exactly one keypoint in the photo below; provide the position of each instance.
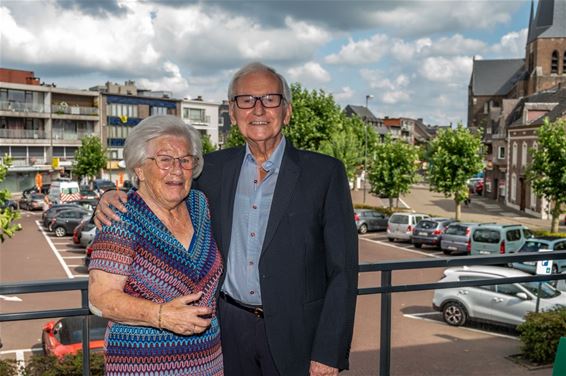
(393, 168)
(547, 172)
(7, 215)
(345, 146)
(90, 158)
(234, 138)
(207, 145)
(455, 157)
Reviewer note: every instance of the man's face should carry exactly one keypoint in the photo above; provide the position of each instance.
(260, 124)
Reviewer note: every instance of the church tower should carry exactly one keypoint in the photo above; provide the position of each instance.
(545, 55)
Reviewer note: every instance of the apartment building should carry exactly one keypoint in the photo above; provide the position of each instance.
(204, 116)
(41, 127)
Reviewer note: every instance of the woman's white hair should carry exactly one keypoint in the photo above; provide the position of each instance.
(259, 67)
(135, 149)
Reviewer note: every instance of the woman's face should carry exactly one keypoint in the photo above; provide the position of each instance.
(165, 187)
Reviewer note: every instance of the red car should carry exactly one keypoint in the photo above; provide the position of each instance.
(479, 187)
(64, 337)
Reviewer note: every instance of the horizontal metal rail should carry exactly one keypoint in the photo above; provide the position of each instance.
(386, 289)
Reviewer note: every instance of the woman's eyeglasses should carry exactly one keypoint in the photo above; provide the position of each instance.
(165, 162)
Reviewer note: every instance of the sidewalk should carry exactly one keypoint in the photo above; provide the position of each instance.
(481, 209)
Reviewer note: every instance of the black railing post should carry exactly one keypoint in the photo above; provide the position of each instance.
(385, 342)
(86, 335)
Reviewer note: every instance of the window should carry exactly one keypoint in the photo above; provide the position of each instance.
(116, 109)
(524, 154)
(486, 236)
(513, 235)
(155, 110)
(515, 152)
(501, 152)
(195, 114)
(509, 289)
(554, 62)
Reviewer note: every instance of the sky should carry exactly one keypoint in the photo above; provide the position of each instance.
(413, 57)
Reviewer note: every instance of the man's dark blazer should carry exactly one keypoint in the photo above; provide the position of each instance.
(309, 261)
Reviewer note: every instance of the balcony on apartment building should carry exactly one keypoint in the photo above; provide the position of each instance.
(29, 161)
(25, 107)
(25, 134)
(203, 121)
(65, 109)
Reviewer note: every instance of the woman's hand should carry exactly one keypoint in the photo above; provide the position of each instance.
(181, 317)
(104, 214)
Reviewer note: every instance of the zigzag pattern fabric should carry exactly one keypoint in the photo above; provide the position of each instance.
(159, 268)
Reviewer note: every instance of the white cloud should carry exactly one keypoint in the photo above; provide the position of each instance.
(447, 70)
(311, 72)
(456, 45)
(393, 97)
(361, 52)
(172, 80)
(345, 93)
(379, 80)
(511, 45)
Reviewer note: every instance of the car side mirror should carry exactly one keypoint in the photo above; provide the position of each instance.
(522, 296)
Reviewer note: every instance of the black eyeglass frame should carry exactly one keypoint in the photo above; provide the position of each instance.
(173, 159)
(260, 98)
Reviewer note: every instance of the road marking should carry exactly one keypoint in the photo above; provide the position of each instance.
(10, 298)
(73, 257)
(421, 316)
(402, 248)
(8, 352)
(52, 246)
(21, 362)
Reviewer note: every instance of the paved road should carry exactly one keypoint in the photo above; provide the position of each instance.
(421, 343)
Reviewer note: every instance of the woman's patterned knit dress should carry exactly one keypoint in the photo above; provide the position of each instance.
(159, 268)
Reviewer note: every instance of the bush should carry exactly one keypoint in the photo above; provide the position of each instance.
(539, 233)
(70, 365)
(384, 210)
(540, 334)
(8, 367)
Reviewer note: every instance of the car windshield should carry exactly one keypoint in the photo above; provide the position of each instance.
(533, 246)
(546, 290)
(72, 330)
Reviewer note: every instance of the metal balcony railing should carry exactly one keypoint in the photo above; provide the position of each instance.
(35, 134)
(74, 110)
(386, 289)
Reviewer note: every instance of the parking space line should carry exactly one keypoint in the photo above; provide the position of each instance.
(403, 248)
(73, 257)
(55, 251)
(421, 316)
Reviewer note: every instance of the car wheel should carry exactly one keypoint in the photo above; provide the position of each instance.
(390, 239)
(454, 314)
(447, 252)
(60, 231)
(363, 228)
(417, 245)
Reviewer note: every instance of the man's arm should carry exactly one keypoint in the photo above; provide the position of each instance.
(333, 337)
(104, 213)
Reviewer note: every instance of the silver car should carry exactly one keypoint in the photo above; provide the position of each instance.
(401, 225)
(504, 304)
(456, 238)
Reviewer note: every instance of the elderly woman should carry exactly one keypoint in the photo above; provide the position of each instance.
(154, 273)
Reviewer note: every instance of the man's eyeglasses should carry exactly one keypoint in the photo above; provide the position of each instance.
(165, 162)
(245, 102)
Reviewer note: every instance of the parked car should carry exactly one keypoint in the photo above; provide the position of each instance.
(400, 225)
(65, 221)
(88, 253)
(456, 238)
(369, 220)
(64, 337)
(478, 188)
(87, 234)
(48, 215)
(491, 238)
(504, 304)
(44, 189)
(472, 184)
(9, 203)
(64, 190)
(87, 193)
(87, 203)
(33, 201)
(553, 243)
(429, 231)
(102, 185)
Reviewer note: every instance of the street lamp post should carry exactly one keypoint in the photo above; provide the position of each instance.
(368, 97)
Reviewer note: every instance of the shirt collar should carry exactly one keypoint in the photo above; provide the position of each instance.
(274, 160)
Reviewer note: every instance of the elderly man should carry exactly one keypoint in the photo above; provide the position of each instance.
(283, 220)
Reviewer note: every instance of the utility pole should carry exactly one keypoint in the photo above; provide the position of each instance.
(368, 97)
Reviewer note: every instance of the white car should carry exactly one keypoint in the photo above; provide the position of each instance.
(504, 304)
